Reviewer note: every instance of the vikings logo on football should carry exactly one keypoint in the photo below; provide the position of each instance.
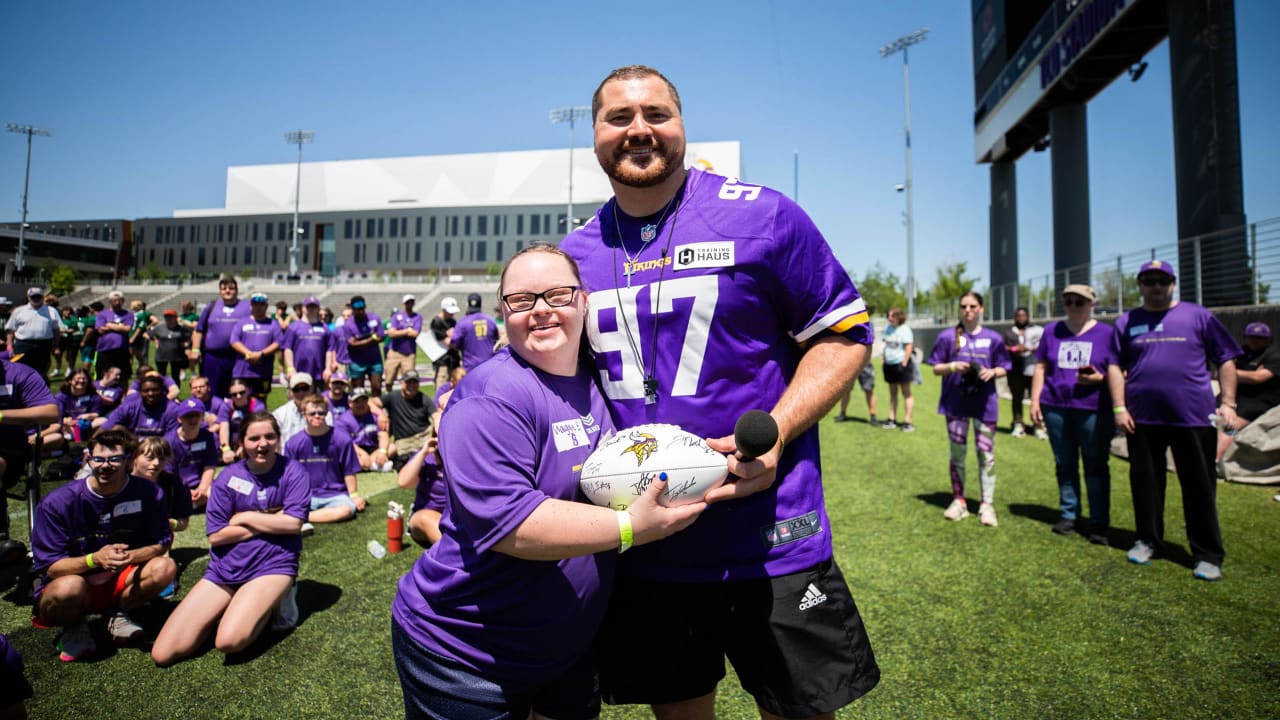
(643, 445)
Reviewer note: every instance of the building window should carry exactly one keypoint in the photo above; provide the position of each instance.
(255, 232)
(564, 228)
(306, 228)
(200, 256)
(215, 256)
(453, 226)
(379, 249)
(481, 251)
(381, 225)
(417, 252)
(431, 226)
(448, 252)
(535, 224)
(248, 256)
(369, 226)
(395, 228)
(398, 251)
(546, 224)
(346, 228)
(520, 224)
(182, 234)
(482, 225)
(417, 225)
(235, 255)
(306, 254)
(497, 252)
(275, 259)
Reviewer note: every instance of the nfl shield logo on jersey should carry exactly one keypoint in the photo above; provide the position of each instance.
(648, 232)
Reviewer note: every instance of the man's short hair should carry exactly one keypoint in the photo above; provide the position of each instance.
(631, 72)
(316, 401)
(228, 281)
(115, 437)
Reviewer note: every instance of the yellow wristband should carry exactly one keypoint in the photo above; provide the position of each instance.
(625, 535)
(226, 448)
(951, 366)
(1, 417)
(354, 494)
(1119, 409)
(88, 560)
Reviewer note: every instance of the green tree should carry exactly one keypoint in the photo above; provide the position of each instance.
(951, 282)
(152, 272)
(62, 280)
(493, 269)
(881, 290)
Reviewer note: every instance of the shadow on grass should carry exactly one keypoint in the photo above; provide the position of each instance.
(184, 556)
(313, 597)
(939, 499)
(1039, 513)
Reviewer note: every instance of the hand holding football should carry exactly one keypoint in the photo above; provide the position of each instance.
(622, 466)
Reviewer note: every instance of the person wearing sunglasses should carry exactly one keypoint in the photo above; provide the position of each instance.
(1070, 398)
(1162, 398)
(329, 458)
(289, 415)
(99, 546)
(240, 405)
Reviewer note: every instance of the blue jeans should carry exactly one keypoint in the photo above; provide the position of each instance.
(1077, 435)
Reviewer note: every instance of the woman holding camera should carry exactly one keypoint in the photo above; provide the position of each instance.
(969, 359)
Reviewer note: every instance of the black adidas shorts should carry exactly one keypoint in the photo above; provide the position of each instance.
(796, 642)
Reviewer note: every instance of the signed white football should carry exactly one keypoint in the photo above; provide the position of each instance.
(623, 466)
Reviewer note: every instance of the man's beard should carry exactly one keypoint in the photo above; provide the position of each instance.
(665, 161)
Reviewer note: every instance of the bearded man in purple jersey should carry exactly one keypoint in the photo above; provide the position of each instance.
(1164, 400)
(711, 297)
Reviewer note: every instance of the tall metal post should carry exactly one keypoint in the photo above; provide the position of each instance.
(297, 137)
(19, 259)
(570, 115)
(903, 43)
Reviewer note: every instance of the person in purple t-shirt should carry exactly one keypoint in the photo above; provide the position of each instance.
(1069, 397)
(309, 344)
(423, 471)
(99, 545)
(362, 423)
(254, 520)
(111, 390)
(1163, 400)
(231, 417)
(201, 390)
(970, 359)
(212, 336)
(112, 327)
(27, 402)
(149, 462)
(330, 462)
(711, 297)
(338, 393)
(402, 355)
(517, 431)
(475, 335)
(194, 451)
(256, 340)
(147, 413)
(363, 333)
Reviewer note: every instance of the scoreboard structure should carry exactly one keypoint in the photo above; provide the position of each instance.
(1037, 63)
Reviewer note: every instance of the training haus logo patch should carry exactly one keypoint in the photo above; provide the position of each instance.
(704, 255)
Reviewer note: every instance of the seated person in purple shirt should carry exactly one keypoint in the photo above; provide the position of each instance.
(232, 416)
(256, 341)
(147, 413)
(255, 514)
(149, 461)
(363, 333)
(14, 688)
(77, 401)
(1257, 382)
(195, 452)
(111, 391)
(498, 617)
(100, 546)
(171, 388)
(27, 402)
(203, 391)
(337, 394)
(361, 423)
(423, 471)
(329, 460)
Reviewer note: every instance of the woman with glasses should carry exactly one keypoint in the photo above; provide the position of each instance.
(969, 359)
(254, 519)
(1069, 397)
(519, 427)
(232, 415)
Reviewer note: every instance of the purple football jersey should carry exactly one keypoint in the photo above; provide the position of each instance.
(256, 335)
(718, 308)
(217, 322)
(1167, 356)
(236, 489)
(142, 420)
(362, 429)
(326, 459)
(474, 337)
(354, 329)
(190, 459)
(514, 438)
(402, 320)
(73, 521)
(1064, 354)
(963, 395)
(112, 339)
(309, 343)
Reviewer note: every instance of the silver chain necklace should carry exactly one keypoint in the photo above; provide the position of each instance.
(648, 234)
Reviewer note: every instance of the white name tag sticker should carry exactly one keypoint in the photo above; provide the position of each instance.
(569, 434)
(6, 390)
(1137, 330)
(240, 485)
(704, 255)
(981, 343)
(1074, 355)
(127, 508)
(199, 447)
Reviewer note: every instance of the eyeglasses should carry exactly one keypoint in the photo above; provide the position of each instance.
(970, 307)
(555, 297)
(242, 393)
(1159, 281)
(1075, 302)
(108, 459)
(317, 413)
(301, 388)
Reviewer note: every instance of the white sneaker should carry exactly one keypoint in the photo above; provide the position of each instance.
(386, 466)
(286, 612)
(957, 510)
(123, 629)
(1041, 434)
(1141, 553)
(987, 514)
(1018, 431)
(307, 529)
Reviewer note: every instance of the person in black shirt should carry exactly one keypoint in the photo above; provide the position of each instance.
(441, 328)
(1257, 382)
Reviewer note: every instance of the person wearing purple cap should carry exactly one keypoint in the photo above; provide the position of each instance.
(1257, 383)
(475, 335)
(969, 359)
(254, 522)
(256, 340)
(1163, 400)
(519, 429)
(1070, 398)
(370, 438)
(211, 341)
(364, 333)
(309, 344)
(402, 355)
(112, 327)
(195, 453)
(148, 412)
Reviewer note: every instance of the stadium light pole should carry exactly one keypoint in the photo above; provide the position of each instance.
(903, 43)
(299, 138)
(570, 115)
(19, 260)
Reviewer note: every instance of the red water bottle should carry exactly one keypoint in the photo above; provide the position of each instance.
(395, 529)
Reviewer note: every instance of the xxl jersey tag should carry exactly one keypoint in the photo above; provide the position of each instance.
(789, 531)
(704, 255)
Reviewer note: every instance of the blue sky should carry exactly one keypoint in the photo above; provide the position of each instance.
(150, 102)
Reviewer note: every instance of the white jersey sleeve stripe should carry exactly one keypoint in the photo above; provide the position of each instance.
(857, 307)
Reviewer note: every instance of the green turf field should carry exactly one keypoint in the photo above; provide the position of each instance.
(967, 621)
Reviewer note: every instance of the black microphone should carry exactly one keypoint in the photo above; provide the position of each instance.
(755, 434)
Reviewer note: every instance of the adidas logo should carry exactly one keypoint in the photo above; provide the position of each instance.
(812, 596)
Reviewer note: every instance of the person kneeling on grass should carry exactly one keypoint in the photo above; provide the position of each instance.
(423, 471)
(361, 423)
(256, 509)
(329, 459)
(100, 544)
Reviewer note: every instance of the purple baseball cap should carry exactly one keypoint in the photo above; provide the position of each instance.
(310, 300)
(191, 405)
(1159, 266)
(1258, 330)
